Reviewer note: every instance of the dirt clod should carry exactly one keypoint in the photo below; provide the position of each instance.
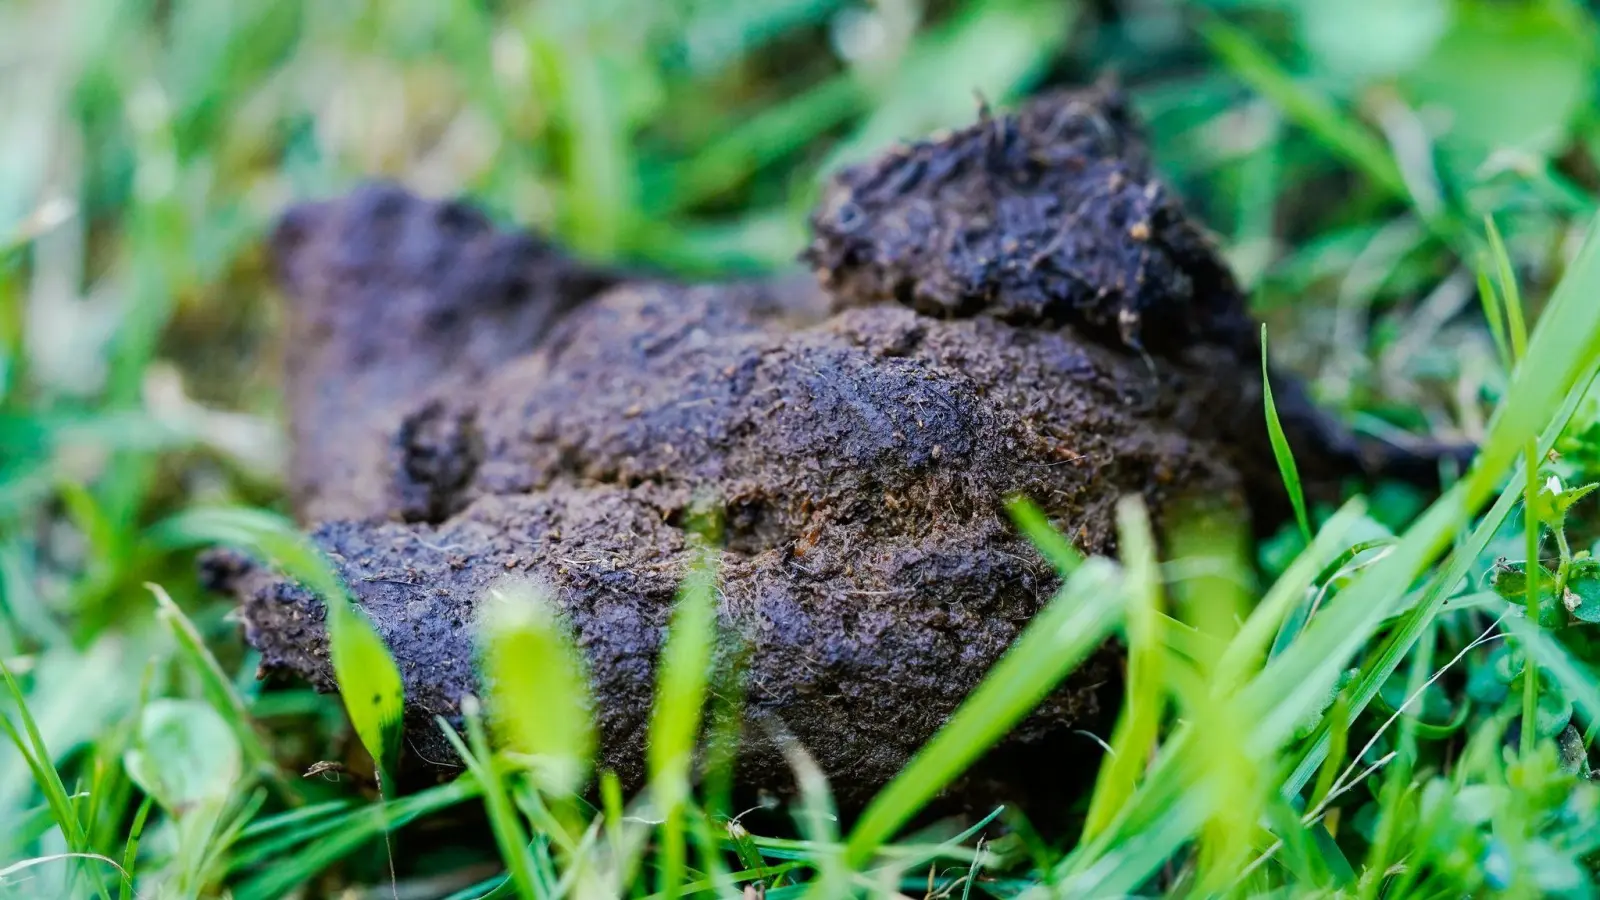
(1047, 216)
(1020, 307)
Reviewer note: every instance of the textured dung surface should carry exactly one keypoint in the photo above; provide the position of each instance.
(860, 465)
(1049, 215)
(984, 290)
(394, 295)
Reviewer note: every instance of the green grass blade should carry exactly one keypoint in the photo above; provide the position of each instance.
(220, 849)
(261, 849)
(1393, 793)
(491, 888)
(993, 49)
(537, 687)
(29, 826)
(1572, 346)
(745, 850)
(1340, 133)
(757, 141)
(1143, 693)
(86, 513)
(1494, 314)
(1387, 658)
(508, 833)
(1308, 851)
(1512, 302)
(273, 537)
(1510, 296)
(1295, 621)
(1338, 719)
(1123, 865)
(62, 810)
(369, 680)
(683, 679)
(40, 762)
(219, 691)
(1061, 636)
(712, 862)
(1561, 360)
(130, 856)
(622, 862)
(1252, 641)
(46, 778)
(1051, 544)
(818, 821)
(1563, 355)
(599, 163)
(294, 817)
(684, 675)
(1281, 450)
(1531, 527)
(284, 871)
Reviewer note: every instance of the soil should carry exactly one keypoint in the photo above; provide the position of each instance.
(1020, 307)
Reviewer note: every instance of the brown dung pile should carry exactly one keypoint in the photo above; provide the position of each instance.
(1020, 307)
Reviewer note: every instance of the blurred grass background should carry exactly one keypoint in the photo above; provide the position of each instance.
(1345, 153)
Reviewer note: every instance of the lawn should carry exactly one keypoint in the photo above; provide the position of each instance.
(1402, 703)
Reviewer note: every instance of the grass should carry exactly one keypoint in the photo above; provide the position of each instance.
(1404, 707)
